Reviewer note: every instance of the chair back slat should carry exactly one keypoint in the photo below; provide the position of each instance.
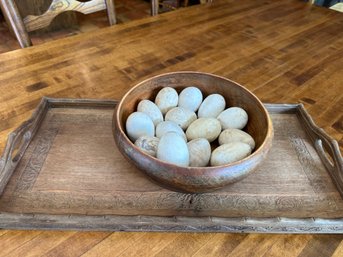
(35, 22)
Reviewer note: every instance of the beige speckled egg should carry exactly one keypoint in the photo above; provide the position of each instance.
(199, 152)
(166, 99)
(233, 117)
(139, 124)
(236, 135)
(151, 109)
(208, 128)
(148, 144)
(190, 98)
(181, 116)
(229, 153)
(173, 149)
(212, 106)
(169, 126)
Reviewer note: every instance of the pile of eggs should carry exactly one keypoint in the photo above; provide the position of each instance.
(179, 129)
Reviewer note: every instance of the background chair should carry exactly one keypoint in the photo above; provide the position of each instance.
(21, 27)
(177, 3)
(326, 3)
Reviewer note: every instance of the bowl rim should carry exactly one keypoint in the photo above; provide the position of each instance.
(267, 139)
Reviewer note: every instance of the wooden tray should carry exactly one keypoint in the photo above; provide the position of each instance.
(62, 170)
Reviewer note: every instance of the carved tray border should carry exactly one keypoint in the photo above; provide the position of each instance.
(19, 140)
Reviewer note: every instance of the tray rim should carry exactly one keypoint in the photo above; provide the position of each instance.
(21, 138)
(139, 223)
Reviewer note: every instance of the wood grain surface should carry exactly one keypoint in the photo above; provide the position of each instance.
(284, 51)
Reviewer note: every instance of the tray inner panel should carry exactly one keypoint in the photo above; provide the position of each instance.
(72, 166)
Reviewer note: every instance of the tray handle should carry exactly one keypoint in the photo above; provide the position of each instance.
(333, 163)
(327, 149)
(324, 149)
(17, 143)
(15, 147)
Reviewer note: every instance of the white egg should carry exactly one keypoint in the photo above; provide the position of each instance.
(199, 152)
(236, 135)
(139, 124)
(181, 116)
(229, 153)
(208, 128)
(166, 99)
(212, 106)
(190, 98)
(173, 149)
(151, 109)
(233, 117)
(169, 126)
(148, 144)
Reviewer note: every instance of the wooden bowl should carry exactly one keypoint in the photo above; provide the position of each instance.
(195, 179)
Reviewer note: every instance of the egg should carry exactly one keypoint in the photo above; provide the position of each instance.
(139, 124)
(233, 117)
(212, 106)
(199, 152)
(208, 128)
(228, 153)
(236, 135)
(173, 149)
(151, 109)
(181, 116)
(166, 99)
(169, 126)
(148, 144)
(190, 98)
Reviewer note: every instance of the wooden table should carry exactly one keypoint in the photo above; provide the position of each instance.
(284, 51)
